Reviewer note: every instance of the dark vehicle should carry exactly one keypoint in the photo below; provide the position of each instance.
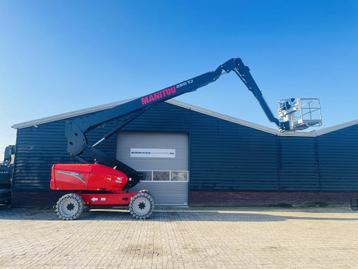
(6, 169)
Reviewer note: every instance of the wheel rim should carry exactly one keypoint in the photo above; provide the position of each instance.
(69, 207)
(141, 206)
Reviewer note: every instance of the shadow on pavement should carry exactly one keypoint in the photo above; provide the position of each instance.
(24, 214)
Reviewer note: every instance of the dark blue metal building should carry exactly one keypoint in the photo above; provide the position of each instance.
(230, 161)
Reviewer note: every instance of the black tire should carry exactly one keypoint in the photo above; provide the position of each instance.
(70, 206)
(141, 205)
(5, 196)
(354, 204)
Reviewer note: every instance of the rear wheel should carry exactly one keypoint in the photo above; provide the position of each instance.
(141, 205)
(354, 204)
(70, 206)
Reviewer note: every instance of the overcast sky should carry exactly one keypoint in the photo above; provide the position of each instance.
(60, 56)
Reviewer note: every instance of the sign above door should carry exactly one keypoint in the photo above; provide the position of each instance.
(152, 153)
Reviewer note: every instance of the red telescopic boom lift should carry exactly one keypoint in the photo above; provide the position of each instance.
(106, 181)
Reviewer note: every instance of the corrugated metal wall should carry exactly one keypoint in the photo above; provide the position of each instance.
(338, 159)
(223, 155)
(228, 156)
(298, 164)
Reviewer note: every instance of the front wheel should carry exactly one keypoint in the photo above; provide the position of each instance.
(70, 206)
(141, 205)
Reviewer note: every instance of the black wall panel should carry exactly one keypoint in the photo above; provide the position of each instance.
(338, 159)
(299, 164)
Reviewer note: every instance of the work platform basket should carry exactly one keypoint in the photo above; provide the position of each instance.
(301, 113)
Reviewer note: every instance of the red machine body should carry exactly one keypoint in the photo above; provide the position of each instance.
(98, 184)
(87, 177)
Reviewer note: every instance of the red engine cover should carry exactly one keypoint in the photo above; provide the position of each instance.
(90, 177)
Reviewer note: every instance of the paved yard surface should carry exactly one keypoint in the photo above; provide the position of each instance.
(215, 238)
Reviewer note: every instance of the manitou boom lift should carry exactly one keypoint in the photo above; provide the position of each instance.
(106, 182)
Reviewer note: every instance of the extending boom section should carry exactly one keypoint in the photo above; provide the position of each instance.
(76, 129)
